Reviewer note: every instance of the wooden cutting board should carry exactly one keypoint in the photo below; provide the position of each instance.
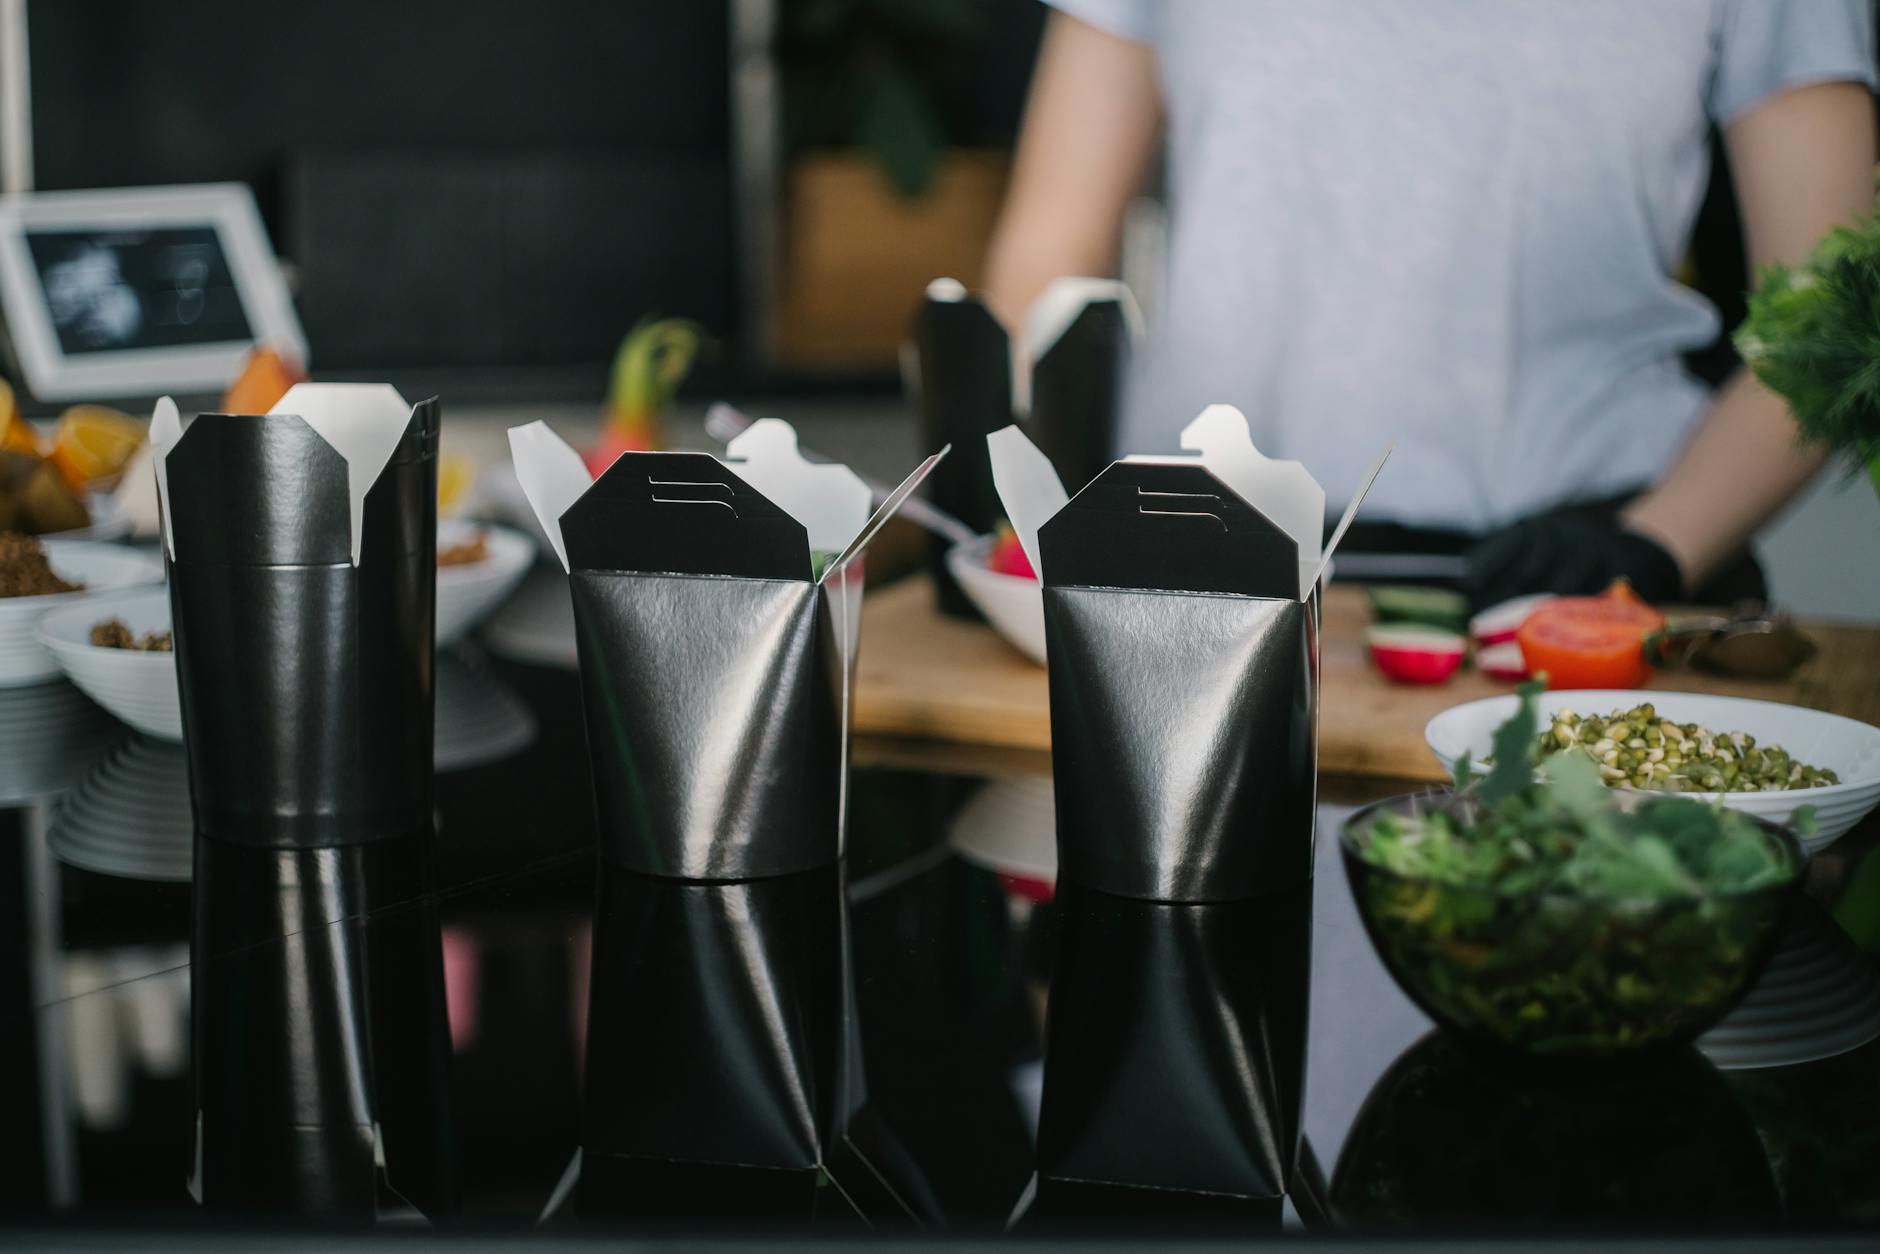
(923, 676)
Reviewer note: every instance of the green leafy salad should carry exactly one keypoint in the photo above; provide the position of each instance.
(1541, 909)
(1565, 833)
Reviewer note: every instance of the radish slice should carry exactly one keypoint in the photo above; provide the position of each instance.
(1498, 623)
(1415, 655)
(1502, 661)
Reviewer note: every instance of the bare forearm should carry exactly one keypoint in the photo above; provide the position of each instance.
(1742, 466)
(1090, 128)
(1802, 163)
(1026, 254)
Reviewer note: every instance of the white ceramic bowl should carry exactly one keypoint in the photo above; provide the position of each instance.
(1012, 604)
(102, 568)
(137, 687)
(1848, 748)
(470, 593)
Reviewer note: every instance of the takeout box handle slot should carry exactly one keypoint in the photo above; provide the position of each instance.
(1167, 527)
(642, 515)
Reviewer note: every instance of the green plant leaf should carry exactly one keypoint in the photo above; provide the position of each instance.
(1514, 742)
(1812, 335)
(1577, 786)
(928, 19)
(901, 127)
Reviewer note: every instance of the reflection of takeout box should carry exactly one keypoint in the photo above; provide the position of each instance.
(1175, 1056)
(303, 552)
(717, 612)
(723, 1064)
(1180, 600)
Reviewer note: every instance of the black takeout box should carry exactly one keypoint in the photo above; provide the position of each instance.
(1063, 377)
(716, 660)
(303, 559)
(1181, 630)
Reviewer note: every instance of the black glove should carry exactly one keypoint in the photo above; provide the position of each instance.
(1569, 554)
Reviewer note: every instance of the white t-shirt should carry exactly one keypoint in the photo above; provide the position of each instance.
(1450, 223)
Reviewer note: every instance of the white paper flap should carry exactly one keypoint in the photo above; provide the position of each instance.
(830, 500)
(1284, 491)
(363, 422)
(166, 428)
(1051, 314)
(1066, 297)
(889, 506)
(136, 495)
(1351, 510)
(1028, 487)
(552, 476)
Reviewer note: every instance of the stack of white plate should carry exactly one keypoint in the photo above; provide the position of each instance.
(131, 816)
(479, 719)
(49, 737)
(1819, 997)
(100, 567)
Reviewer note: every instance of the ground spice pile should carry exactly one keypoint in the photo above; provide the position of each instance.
(115, 633)
(475, 549)
(24, 571)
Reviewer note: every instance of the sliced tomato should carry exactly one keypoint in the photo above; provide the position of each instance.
(1008, 555)
(1590, 642)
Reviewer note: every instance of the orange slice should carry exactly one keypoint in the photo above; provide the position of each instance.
(455, 474)
(15, 431)
(93, 443)
(264, 379)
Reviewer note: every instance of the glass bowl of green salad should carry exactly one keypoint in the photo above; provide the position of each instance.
(1537, 910)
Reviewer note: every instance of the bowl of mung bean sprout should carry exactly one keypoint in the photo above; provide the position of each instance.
(1759, 757)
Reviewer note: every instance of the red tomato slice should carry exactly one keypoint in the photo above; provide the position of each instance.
(1590, 642)
(1008, 556)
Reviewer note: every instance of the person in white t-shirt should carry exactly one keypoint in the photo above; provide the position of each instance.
(1454, 224)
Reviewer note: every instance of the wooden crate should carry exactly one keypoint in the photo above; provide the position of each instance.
(857, 255)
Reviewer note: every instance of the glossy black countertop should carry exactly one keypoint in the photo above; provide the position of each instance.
(1771, 1126)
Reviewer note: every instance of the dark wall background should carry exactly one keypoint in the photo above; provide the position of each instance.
(488, 192)
(474, 184)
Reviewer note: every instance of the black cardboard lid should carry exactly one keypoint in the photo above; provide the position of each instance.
(1077, 390)
(1167, 528)
(258, 490)
(268, 490)
(1099, 333)
(682, 514)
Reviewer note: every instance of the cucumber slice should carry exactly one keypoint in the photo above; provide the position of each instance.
(1435, 607)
